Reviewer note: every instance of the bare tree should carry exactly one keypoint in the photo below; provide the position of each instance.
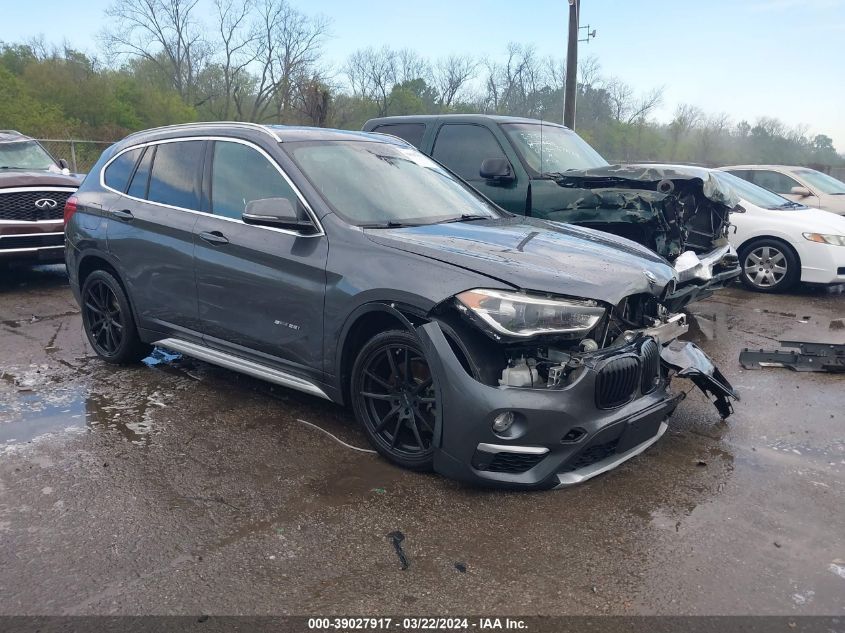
(238, 50)
(712, 131)
(410, 65)
(648, 102)
(589, 71)
(556, 72)
(287, 44)
(451, 75)
(621, 97)
(372, 73)
(300, 41)
(686, 117)
(164, 32)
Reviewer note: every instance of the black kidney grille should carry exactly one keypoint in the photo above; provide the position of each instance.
(513, 462)
(20, 205)
(650, 354)
(617, 381)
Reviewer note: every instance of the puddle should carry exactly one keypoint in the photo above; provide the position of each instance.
(34, 415)
(833, 449)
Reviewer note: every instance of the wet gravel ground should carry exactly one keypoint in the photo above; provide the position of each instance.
(180, 488)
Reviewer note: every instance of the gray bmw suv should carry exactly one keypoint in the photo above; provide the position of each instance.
(493, 348)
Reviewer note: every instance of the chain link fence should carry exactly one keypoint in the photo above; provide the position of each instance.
(80, 155)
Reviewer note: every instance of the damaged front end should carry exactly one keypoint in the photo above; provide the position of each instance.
(550, 409)
(681, 213)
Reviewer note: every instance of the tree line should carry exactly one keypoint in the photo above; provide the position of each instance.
(171, 61)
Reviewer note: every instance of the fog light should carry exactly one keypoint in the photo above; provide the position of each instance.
(503, 421)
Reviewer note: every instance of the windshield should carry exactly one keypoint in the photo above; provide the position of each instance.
(379, 184)
(755, 194)
(562, 149)
(822, 182)
(24, 155)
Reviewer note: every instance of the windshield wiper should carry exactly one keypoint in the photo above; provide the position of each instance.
(390, 224)
(467, 217)
(789, 204)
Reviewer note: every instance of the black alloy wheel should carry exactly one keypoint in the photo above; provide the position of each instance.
(108, 320)
(394, 398)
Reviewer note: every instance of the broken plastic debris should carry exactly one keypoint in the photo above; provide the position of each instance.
(397, 538)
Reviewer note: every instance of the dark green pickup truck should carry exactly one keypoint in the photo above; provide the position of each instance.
(547, 171)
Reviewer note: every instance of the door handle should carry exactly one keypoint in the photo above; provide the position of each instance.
(214, 237)
(123, 214)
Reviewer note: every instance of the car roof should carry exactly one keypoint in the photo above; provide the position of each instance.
(241, 129)
(458, 118)
(11, 136)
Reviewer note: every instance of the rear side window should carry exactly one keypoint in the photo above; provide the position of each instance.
(745, 174)
(120, 169)
(138, 187)
(773, 181)
(411, 132)
(175, 175)
(463, 147)
(241, 174)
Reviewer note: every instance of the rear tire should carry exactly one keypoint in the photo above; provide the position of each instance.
(769, 265)
(394, 398)
(108, 320)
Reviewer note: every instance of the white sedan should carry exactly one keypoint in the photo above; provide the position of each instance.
(800, 184)
(781, 242)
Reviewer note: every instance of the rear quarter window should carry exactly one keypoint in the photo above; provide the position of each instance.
(118, 172)
(411, 132)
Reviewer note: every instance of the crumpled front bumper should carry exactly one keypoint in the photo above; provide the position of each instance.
(699, 275)
(561, 436)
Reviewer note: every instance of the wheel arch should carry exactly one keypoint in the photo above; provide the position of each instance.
(765, 236)
(90, 262)
(365, 322)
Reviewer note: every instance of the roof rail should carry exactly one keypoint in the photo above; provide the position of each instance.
(253, 126)
(11, 132)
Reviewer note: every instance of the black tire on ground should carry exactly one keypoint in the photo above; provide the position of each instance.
(394, 398)
(769, 265)
(108, 320)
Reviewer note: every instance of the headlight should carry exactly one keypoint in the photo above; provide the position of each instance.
(522, 315)
(835, 240)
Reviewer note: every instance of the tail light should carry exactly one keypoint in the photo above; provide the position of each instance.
(70, 208)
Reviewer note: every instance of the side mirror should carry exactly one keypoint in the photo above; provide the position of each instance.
(277, 212)
(800, 191)
(63, 164)
(498, 169)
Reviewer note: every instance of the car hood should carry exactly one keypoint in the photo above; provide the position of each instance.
(35, 178)
(803, 220)
(538, 255)
(669, 208)
(833, 204)
(711, 187)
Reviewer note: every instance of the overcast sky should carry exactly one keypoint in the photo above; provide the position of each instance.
(781, 58)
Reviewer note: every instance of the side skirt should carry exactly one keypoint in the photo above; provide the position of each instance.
(243, 366)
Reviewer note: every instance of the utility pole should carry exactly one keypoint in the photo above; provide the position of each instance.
(571, 66)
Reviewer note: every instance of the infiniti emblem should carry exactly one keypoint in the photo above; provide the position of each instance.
(650, 277)
(46, 203)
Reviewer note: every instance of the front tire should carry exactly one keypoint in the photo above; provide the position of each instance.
(769, 265)
(108, 321)
(394, 399)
